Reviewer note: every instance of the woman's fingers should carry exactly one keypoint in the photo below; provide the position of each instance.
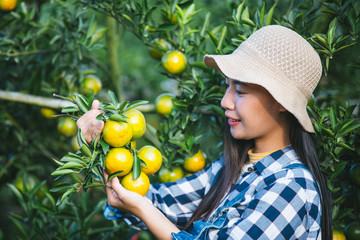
(95, 104)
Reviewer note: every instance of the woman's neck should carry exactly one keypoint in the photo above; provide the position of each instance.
(269, 145)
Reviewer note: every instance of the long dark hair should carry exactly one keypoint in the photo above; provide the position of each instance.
(236, 155)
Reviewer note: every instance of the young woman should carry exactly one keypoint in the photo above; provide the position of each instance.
(268, 184)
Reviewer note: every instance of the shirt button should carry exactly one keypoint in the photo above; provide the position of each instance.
(250, 169)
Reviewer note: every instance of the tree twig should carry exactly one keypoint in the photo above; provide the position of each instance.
(51, 102)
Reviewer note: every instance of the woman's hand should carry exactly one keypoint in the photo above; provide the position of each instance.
(89, 125)
(141, 207)
(123, 199)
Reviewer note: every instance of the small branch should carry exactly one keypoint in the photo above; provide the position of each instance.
(51, 102)
(34, 100)
(25, 53)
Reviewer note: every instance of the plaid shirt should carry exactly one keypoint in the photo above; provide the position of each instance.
(269, 201)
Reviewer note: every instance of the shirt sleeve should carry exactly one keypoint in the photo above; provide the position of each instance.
(177, 200)
(282, 210)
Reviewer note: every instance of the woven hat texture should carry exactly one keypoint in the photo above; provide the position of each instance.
(281, 61)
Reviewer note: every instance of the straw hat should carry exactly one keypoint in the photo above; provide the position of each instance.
(279, 60)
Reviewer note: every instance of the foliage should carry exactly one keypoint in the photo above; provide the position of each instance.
(48, 47)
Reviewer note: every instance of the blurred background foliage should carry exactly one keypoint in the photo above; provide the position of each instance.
(53, 46)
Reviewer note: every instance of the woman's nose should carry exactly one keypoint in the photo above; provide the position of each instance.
(227, 101)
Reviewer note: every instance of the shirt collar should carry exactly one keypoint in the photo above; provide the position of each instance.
(277, 160)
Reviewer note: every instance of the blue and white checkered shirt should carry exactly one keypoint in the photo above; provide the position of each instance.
(276, 203)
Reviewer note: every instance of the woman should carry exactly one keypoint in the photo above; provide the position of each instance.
(268, 185)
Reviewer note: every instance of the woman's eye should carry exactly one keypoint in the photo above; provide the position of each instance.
(239, 92)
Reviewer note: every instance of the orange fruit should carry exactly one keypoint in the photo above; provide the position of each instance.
(160, 46)
(117, 134)
(170, 175)
(137, 122)
(140, 185)
(67, 126)
(152, 158)
(25, 182)
(174, 62)
(74, 143)
(163, 104)
(195, 163)
(7, 5)
(92, 84)
(119, 159)
(47, 113)
(338, 235)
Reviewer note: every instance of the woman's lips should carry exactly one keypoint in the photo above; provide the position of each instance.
(233, 122)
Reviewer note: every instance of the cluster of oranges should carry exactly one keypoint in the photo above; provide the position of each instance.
(120, 159)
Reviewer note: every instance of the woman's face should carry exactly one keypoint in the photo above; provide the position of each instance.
(253, 113)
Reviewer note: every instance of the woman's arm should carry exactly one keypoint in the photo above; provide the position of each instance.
(140, 207)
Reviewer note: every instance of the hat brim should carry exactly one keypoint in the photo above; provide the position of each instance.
(247, 65)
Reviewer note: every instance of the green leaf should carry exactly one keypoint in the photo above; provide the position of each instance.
(82, 103)
(65, 195)
(94, 184)
(136, 167)
(85, 150)
(15, 191)
(63, 172)
(97, 35)
(70, 157)
(245, 14)
(80, 138)
(238, 11)
(42, 208)
(121, 106)
(113, 98)
(105, 147)
(248, 22)
(57, 162)
(338, 169)
(222, 37)
(19, 225)
(321, 39)
(69, 165)
(332, 118)
(69, 109)
(61, 187)
(114, 174)
(117, 117)
(205, 25)
(270, 14)
(92, 27)
(213, 38)
(218, 110)
(345, 46)
(345, 145)
(331, 31)
(262, 14)
(349, 128)
(127, 18)
(135, 104)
